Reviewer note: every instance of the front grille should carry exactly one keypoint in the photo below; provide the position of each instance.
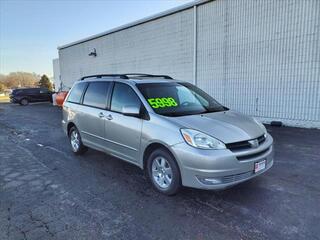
(261, 139)
(243, 145)
(252, 155)
(237, 177)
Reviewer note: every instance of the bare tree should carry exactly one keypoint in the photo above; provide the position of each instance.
(2, 87)
(19, 79)
(2, 77)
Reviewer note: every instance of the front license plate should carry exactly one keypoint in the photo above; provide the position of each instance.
(258, 166)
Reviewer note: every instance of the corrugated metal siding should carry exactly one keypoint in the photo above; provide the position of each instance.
(210, 49)
(262, 58)
(160, 46)
(259, 57)
(56, 74)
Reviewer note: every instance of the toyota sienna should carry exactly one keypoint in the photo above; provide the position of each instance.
(173, 130)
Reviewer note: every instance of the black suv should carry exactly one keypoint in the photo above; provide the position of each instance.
(25, 95)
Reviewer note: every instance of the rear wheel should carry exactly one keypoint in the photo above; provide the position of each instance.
(75, 141)
(163, 172)
(24, 102)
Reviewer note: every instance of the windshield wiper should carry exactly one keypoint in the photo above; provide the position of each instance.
(213, 110)
(172, 114)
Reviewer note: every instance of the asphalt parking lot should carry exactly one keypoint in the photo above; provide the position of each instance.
(48, 193)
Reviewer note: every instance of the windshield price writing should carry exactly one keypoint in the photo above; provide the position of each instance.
(162, 102)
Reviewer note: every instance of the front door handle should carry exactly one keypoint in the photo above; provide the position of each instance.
(109, 117)
(101, 115)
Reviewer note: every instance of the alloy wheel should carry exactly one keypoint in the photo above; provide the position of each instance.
(75, 140)
(161, 172)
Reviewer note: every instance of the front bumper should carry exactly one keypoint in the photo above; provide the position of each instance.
(221, 167)
(64, 127)
(13, 100)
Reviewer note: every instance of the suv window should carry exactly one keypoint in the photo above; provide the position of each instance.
(76, 93)
(16, 92)
(123, 95)
(31, 91)
(44, 90)
(96, 94)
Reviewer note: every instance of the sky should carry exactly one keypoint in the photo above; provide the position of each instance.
(31, 30)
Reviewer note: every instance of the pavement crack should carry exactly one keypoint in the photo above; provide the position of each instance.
(24, 235)
(11, 130)
(58, 151)
(41, 224)
(23, 232)
(9, 221)
(211, 206)
(33, 157)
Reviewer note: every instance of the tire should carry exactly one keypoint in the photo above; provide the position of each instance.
(75, 141)
(158, 165)
(24, 102)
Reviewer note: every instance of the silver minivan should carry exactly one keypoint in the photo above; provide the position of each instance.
(173, 130)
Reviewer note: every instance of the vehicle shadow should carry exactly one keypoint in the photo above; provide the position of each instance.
(139, 183)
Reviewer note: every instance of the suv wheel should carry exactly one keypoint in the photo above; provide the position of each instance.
(163, 172)
(76, 143)
(24, 102)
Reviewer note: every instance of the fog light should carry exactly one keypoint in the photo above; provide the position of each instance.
(209, 181)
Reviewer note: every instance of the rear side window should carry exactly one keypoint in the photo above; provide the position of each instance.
(123, 95)
(96, 94)
(44, 90)
(32, 91)
(76, 93)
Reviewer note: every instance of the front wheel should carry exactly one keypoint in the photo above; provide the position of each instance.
(163, 172)
(24, 102)
(76, 143)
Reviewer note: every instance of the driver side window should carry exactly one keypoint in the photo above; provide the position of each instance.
(123, 95)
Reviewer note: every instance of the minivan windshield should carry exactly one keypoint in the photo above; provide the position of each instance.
(178, 99)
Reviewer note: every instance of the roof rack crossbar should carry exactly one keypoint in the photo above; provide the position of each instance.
(127, 75)
(122, 76)
(148, 75)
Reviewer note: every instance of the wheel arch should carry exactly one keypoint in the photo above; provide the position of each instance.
(153, 146)
(69, 126)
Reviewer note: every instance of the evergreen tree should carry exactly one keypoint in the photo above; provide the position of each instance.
(45, 82)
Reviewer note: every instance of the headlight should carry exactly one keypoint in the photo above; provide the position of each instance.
(261, 126)
(200, 140)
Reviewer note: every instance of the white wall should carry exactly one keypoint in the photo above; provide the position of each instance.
(262, 58)
(161, 46)
(259, 57)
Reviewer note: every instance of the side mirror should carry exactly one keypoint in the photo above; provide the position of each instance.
(131, 110)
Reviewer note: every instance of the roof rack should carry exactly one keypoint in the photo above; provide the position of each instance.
(137, 75)
(127, 76)
(122, 76)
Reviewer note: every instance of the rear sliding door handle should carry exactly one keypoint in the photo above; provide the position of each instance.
(109, 117)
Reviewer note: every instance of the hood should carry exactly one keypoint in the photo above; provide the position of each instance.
(226, 126)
